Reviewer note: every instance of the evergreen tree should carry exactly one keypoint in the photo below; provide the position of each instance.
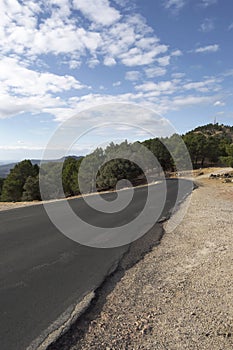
(70, 176)
(1, 184)
(13, 185)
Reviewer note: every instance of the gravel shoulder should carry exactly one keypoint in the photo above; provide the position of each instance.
(179, 296)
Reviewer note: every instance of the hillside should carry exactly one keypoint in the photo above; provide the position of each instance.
(215, 130)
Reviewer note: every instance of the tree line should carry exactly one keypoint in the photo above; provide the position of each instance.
(211, 144)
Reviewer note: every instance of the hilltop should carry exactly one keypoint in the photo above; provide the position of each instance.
(215, 130)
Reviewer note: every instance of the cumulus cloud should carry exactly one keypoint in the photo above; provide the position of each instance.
(132, 42)
(14, 105)
(206, 85)
(93, 62)
(159, 97)
(187, 101)
(117, 83)
(23, 33)
(17, 78)
(132, 75)
(109, 61)
(138, 57)
(165, 87)
(95, 34)
(206, 3)
(178, 75)
(207, 49)
(98, 11)
(219, 104)
(177, 53)
(73, 64)
(25, 90)
(174, 5)
(33, 30)
(40, 28)
(155, 72)
(207, 25)
(164, 61)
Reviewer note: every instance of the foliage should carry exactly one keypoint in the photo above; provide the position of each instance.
(210, 144)
(31, 190)
(13, 185)
(102, 169)
(70, 176)
(228, 160)
(50, 177)
(1, 184)
(160, 151)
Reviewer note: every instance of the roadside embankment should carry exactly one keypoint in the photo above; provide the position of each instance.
(179, 296)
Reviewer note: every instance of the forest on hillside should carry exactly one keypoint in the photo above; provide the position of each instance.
(207, 145)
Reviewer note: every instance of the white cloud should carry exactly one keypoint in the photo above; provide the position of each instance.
(159, 97)
(177, 53)
(178, 75)
(155, 72)
(93, 62)
(219, 103)
(206, 85)
(64, 39)
(73, 64)
(20, 80)
(109, 61)
(98, 11)
(34, 29)
(187, 101)
(56, 34)
(126, 39)
(165, 87)
(24, 90)
(148, 86)
(147, 43)
(228, 73)
(132, 42)
(83, 103)
(164, 61)
(207, 3)
(117, 83)
(206, 49)
(19, 147)
(119, 38)
(230, 26)
(13, 105)
(138, 57)
(132, 75)
(207, 25)
(174, 5)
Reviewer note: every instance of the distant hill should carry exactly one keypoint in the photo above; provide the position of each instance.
(5, 168)
(215, 130)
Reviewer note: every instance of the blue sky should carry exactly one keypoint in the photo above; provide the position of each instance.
(60, 57)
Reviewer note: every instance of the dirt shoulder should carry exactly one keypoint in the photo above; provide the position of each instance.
(179, 296)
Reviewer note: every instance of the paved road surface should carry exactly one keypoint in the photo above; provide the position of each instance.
(43, 273)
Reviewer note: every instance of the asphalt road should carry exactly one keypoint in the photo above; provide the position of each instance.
(43, 273)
